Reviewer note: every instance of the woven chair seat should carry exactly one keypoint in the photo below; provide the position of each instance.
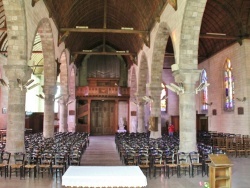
(16, 165)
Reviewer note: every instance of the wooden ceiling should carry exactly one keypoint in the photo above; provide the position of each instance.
(106, 18)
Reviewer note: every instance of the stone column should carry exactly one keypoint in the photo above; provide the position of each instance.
(63, 124)
(155, 93)
(140, 114)
(16, 107)
(187, 126)
(49, 115)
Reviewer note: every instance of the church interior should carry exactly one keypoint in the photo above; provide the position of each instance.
(100, 83)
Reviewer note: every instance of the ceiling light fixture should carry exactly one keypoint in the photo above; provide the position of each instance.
(147, 99)
(3, 83)
(221, 34)
(127, 28)
(86, 50)
(121, 51)
(33, 86)
(202, 86)
(82, 27)
(21, 85)
(177, 89)
(242, 99)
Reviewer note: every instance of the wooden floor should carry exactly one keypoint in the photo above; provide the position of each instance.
(102, 152)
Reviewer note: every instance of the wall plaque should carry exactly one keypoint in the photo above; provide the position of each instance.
(72, 112)
(133, 113)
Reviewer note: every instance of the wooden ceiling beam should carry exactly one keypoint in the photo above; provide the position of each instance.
(103, 30)
(105, 53)
(35, 52)
(3, 29)
(220, 37)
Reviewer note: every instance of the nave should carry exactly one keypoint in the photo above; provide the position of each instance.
(102, 152)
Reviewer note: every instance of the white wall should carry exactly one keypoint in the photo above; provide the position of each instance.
(229, 122)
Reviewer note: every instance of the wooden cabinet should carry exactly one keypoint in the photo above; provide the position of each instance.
(220, 171)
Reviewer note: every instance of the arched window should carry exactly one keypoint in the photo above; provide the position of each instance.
(229, 86)
(163, 98)
(204, 94)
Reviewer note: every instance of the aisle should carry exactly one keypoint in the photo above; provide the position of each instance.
(101, 152)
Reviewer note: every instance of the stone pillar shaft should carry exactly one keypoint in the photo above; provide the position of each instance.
(155, 93)
(49, 115)
(16, 107)
(187, 126)
(141, 121)
(63, 126)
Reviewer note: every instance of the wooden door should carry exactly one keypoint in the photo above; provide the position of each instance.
(201, 122)
(204, 124)
(175, 122)
(102, 117)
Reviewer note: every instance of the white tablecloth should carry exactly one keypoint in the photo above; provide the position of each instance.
(104, 176)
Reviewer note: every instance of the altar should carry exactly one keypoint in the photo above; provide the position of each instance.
(104, 176)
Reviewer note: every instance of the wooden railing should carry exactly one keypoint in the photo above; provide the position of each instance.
(100, 91)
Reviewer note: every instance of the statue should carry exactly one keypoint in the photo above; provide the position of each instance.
(134, 125)
(122, 124)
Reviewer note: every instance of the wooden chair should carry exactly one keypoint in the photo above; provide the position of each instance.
(74, 159)
(4, 165)
(171, 165)
(247, 146)
(240, 150)
(30, 165)
(46, 164)
(130, 158)
(221, 143)
(59, 166)
(183, 163)
(158, 163)
(144, 164)
(195, 163)
(230, 146)
(19, 164)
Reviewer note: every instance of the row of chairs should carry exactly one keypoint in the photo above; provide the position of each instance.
(45, 155)
(162, 153)
(176, 163)
(234, 146)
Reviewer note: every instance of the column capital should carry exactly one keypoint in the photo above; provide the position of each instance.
(14, 72)
(154, 86)
(17, 71)
(186, 75)
(49, 90)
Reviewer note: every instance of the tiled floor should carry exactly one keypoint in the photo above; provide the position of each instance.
(102, 152)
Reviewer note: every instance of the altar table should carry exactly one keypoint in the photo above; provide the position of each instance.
(104, 176)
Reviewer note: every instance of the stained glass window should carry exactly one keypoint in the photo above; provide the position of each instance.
(204, 93)
(163, 98)
(229, 86)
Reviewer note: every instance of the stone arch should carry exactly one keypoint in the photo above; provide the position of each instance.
(16, 31)
(142, 75)
(50, 75)
(63, 74)
(159, 47)
(72, 99)
(155, 88)
(47, 41)
(133, 81)
(142, 80)
(190, 31)
(133, 90)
